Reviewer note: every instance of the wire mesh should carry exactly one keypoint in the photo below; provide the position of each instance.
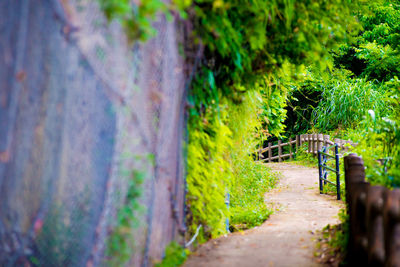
(80, 109)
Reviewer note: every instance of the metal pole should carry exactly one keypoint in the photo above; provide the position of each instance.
(337, 171)
(227, 202)
(321, 186)
(324, 162)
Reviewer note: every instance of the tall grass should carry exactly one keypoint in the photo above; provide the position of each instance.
(250, 179)
(345, 103)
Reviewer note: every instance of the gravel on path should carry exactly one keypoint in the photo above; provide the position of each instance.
(287, 237)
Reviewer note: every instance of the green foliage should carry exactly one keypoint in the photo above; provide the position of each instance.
(375, 52)
(246, 44)
(304, 158)
(273, 110)
(303, 97)
(360, 101)
(374, 56)
(341, 238)
(335, 101)
(175, 255)
(219, 161)
(137, 19)
(209, 173)
(120, 243)
(346, 102)
(245, 40)
(380, 141)
(252, 180)
(334, 241)
(57, 240)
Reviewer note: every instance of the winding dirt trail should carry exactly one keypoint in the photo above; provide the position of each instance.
(286, 238)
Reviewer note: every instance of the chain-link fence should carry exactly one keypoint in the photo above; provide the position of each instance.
(81, 111)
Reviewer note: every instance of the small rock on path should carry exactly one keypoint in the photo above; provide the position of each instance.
(286, 238)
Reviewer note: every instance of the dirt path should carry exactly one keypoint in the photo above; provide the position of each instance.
(286, 238)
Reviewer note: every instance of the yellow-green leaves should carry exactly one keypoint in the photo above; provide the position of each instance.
(137, 19)
(209, 173)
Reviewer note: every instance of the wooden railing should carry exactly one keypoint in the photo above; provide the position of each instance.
(315, 143)
(374, 218)
(279, 145)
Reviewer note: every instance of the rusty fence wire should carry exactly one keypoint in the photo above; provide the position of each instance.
(81, 111)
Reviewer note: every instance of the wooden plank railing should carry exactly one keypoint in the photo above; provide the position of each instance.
(315, 143)
(279, 145)
(374, 218)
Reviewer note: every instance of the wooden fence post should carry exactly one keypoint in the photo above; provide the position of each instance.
(298, 143)
(391, 219)
(290, 148)
(320, 138)
(358, 233)
(269, 152)
(279, 151)
(354, 170)
(356, 194)
(309, 137)
(376, 243)
(326, 139)
(337, 141)
(314, 143)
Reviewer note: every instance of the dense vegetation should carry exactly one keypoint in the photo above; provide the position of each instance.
(358, 98)
(249, 49)
(333, 64)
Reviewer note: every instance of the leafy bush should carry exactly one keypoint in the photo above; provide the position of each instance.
(220, 162)
(252, 180)
(304, 158)
(345, 103)
(332, 246)
(209, 174)
(379, 147)
(175, 255)
(244, 42)
(375, 53)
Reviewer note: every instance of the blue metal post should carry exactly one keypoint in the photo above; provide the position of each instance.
(321, 186)
(324, 163)
(227, 201)
(337, 171)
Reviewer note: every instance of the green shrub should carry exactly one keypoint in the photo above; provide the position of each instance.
(345, 103)
(209, 174)
(304, 158)
(251, 181)
(175, 255)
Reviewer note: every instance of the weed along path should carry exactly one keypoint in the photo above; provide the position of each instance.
(287, 237)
